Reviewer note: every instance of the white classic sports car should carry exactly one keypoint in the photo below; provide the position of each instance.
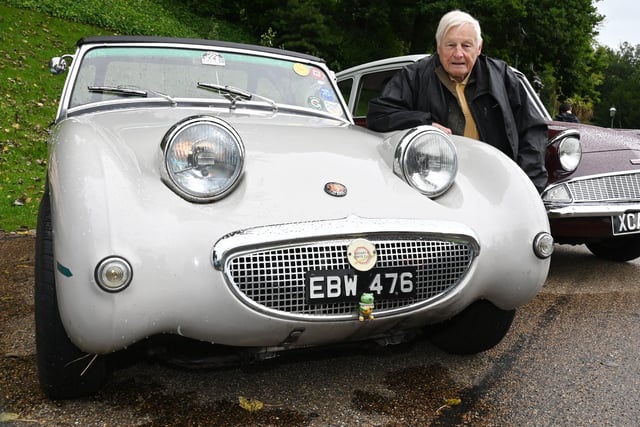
(221, 192)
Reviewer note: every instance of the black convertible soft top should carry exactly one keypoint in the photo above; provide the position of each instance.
(212, 43)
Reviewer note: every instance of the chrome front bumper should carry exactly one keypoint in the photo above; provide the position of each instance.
(590, 210)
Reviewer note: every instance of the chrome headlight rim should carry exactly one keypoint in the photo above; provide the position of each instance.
(172, 136)
(404, 152)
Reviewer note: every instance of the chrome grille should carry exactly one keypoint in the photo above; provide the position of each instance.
(622, 187)
(274, 278)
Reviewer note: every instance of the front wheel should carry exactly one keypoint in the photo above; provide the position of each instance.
(65, 371)
(619, 249)
(479, 327)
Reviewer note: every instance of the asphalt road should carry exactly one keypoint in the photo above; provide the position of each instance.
(570, 359)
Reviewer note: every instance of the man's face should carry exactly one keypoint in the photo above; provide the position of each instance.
(458, 51)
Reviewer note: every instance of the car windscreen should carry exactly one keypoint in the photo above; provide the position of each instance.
(176, 72)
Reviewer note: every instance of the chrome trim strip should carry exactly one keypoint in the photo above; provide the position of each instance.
(589, 210)
(565, 133)
(595, 176)
(286, 234)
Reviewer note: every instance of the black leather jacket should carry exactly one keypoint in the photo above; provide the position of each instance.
(502, 110)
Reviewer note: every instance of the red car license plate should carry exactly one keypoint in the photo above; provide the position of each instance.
(327, 286)
(626, 223)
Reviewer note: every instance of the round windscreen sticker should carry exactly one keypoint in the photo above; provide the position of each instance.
(333, 108)
(301, 69)
(327, 94)
(315, 102)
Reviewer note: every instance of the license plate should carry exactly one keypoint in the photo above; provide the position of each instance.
(626, 223)
(327, 286)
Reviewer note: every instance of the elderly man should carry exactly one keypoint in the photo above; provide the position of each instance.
(463, 92)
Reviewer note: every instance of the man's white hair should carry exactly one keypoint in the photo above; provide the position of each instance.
(456, 18)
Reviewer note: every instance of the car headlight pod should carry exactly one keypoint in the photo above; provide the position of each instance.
(569, 153)
(427, 159)
(569, 149)
(203, 158)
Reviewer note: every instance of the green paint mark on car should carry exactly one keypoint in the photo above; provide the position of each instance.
(64, 270)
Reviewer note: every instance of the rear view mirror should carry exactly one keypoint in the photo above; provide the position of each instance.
(58, 64)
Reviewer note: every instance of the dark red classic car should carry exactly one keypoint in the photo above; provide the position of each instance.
(593, 193)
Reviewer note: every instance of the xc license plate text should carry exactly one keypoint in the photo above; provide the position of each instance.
(324, 286)
(626, 223)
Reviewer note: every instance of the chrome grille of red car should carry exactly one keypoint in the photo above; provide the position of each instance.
(275, 278)
(620, 187)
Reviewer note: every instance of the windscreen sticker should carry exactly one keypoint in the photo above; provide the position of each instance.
(317, 74)
(213, 58)
(315, 102)
(333, 108)
(301, 69)
(327, 94)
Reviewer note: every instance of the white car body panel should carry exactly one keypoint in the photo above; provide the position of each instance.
(113, 202)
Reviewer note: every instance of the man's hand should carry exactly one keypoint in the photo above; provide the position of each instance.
(442, 128)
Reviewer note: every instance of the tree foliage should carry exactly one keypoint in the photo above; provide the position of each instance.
(620, 88)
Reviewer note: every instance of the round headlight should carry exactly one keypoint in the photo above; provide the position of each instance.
(203, 158)
(426, 158)
(569, 153)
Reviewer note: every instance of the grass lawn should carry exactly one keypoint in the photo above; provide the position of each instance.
(28, 102)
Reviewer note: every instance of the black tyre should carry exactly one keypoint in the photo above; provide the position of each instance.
(479, 327)
(65, 371)
(619, 249)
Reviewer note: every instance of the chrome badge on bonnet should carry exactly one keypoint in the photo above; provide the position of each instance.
(335, 189)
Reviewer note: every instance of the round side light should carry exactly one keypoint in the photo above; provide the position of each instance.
(543, 245)
(113, 274)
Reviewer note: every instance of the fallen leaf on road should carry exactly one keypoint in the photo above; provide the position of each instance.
(448, 403)
(251, 405)
(8, 416)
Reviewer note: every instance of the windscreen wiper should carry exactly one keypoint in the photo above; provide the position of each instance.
(130, 91)
(233, 94)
